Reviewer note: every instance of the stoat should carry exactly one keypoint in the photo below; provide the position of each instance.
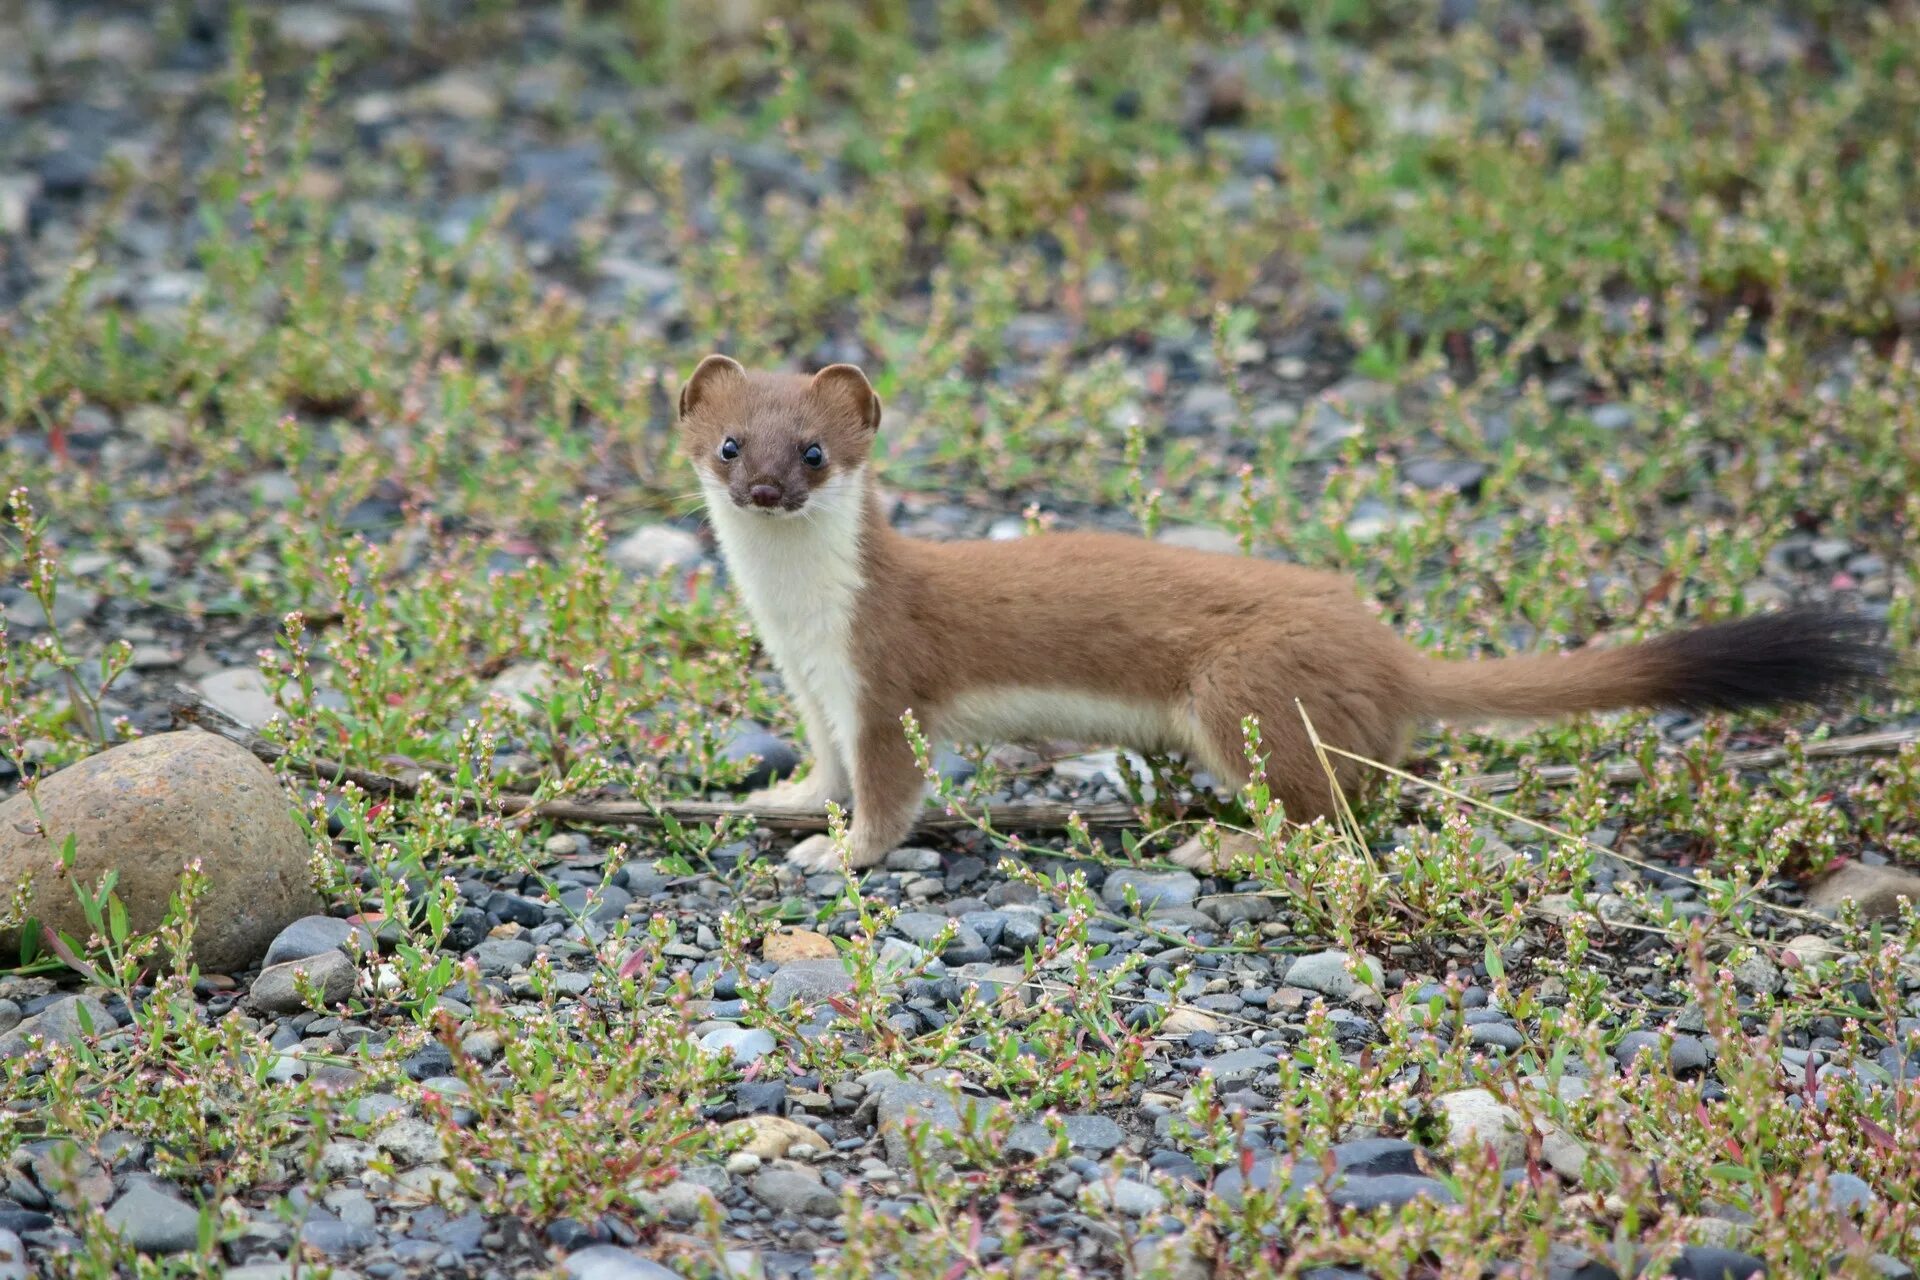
(1109, 639)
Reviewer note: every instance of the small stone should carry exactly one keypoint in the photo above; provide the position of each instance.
(411, 1141)
(1153, 889)
(1876, 890)
(1689, 1053)
(1185, 1020)
(1710, 1262)
(242, 693)
(59, 1023)
(1376, 1157)
(344, 1158)
(1240, 1066)
(153, 1220)
(922, 861)
(460, 94)
(1228, 909)
(1327, 973)
(787, 944)
(745, 1045)
(311, 935)
(925, 1108)
(794, 1191)
(772, 757)
(681, 1201)
(1811, 948)
(311, 27)
(1094, 1134)
(1390, 1191)
(608, 1262)
(144, 811)
(13, 1257)
(1439, 473)
(331, 973)
(1845, 1193)
(656, 548)
(771, 1137)
(1135, 1199)
(810, 982)
(1495, 1035)
(1477, 1119)
(522, 688)
(503, 955)
(1611, 417)
(1035, 336)
(1757, 976)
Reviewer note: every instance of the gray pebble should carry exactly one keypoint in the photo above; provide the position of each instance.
(311, 935)
(746, 1045)
(811, 982)
(794, 1192)
(1153, 889)
(503, 955)
(332, 974)
(154, 1220)
(608, 1262)
(1326, 972)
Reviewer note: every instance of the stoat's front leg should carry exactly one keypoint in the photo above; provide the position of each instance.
(887, 794)
(827, 780)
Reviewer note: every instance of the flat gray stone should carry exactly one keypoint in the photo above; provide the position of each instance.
(1240, 1066)
(1327, 973)
(905, 1104)
(1153, 889)
(13, 1257)
(794, 1192)
(310, 935)
(744, 1045)
(153, 1220)
(608, 1262)
(277, 990)
(503, 955)
(1095, 1134)
(810, 982)
(58, 1024)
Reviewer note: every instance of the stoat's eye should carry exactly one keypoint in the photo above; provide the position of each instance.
(729, 449)
(814, 456)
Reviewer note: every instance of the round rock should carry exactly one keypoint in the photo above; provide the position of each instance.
(1331, 973)
(152, 1220)
(147, 808)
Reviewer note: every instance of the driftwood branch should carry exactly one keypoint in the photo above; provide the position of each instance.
(1026, 816)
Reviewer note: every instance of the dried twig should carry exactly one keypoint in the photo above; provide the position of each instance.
(1027, 816)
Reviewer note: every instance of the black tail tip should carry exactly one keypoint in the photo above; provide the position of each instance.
(1795, 657)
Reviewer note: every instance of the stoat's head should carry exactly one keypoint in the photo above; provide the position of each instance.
(769, 442)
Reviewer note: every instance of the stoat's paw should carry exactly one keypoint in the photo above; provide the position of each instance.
(807, 793)
(1228, 848)
(815, 853)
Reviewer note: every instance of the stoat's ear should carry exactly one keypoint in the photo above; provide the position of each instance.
(711, 373)
(845, 385)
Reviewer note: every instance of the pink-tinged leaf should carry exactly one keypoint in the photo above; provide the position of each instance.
(58, 945)
(1877, 1136)
(633, 964)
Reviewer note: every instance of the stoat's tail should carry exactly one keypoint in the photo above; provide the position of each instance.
(1799, 656)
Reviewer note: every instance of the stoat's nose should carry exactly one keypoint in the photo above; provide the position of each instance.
(766, 495)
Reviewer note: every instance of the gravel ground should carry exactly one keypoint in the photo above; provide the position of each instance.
(978, 1053)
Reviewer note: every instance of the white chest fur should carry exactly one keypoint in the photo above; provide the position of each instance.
(799, 576)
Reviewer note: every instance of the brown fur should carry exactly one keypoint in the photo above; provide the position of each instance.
(1196, 641)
